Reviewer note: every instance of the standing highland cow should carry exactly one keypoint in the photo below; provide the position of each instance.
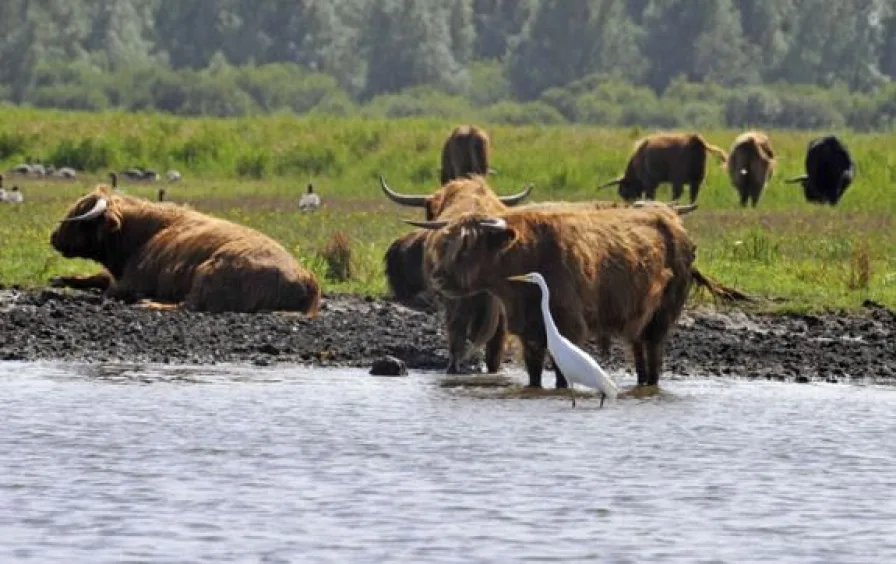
(751, 164)
(830, 170)
(677, 158)
(477, 318)
(466, 152)
(612, 272)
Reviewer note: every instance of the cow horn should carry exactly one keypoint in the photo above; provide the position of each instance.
(685, 209)
(403, 199)
(427, 224)
(98, 209)
(493, 224)
(613, 182)
(516, 198)
(802, 178)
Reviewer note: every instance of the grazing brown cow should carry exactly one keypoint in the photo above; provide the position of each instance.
(479, 318)
(677, 158)
(465, 153)
(612, 272)
(167, 253)
(751, 164)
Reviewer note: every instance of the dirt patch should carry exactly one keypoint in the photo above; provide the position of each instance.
(354, 331)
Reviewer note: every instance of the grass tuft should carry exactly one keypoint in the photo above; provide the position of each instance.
(338, 257)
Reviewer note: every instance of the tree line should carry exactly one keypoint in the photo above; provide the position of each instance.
(659, 63)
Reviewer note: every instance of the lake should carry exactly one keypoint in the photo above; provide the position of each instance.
(116, 463)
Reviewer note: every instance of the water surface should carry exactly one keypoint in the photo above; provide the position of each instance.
(235, 464)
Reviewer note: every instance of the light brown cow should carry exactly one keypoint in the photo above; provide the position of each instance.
(622, 272)
(677, 158)
(166, 253)
(751, 164)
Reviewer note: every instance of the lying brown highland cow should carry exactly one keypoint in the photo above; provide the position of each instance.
(166, 253)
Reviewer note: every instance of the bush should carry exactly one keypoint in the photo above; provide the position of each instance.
(338, 256)
(530, 113)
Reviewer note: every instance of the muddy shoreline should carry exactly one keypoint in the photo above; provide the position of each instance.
(66, 325)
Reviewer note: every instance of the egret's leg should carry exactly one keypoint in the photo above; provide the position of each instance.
(603, 396)
(533, 357)
(654, 363)
(640, 364)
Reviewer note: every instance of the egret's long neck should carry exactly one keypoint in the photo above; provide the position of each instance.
(549, 325)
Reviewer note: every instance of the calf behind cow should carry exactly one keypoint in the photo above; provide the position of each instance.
(168, 253)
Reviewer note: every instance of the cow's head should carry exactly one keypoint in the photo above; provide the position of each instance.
(460, 256)
(86, 228)
(471, 193)
(630, 188)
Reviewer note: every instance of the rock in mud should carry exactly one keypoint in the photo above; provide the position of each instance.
(389, 366)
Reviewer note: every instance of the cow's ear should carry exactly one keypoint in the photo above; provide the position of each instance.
(111, 222)
(501, 240)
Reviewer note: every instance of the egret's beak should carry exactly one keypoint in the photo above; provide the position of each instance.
(518, 278)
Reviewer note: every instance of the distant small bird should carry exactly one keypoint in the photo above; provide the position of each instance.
(21, 169)
(309, 201)
(173, 175)
(575, 364)
(2, 195)
(14, 196)
(67, 172)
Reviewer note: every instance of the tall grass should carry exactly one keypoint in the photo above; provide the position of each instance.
(254, 170)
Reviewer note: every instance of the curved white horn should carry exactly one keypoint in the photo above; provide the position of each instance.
(99, 208)
(494, 223)
(426, 224)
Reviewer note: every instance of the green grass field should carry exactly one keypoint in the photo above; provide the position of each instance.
(254, 170)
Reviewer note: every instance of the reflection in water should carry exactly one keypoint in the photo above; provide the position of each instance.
(286, 464)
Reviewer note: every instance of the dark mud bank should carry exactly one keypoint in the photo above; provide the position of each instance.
(355, 331)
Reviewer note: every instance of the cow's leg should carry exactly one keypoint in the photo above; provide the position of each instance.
(100, 280)
(654, 356)
(494, 349)
(562, 382)
(677, 190)
(640, 362)
(694, 190)
(533, 357)
(744, 198)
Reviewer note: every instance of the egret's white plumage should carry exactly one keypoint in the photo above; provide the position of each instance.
(309, 201)
(576, 365)
(2, 195)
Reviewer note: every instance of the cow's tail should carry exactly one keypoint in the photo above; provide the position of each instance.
(717, 151)
(718, 290)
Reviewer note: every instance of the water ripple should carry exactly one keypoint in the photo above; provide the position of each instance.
(232, 463)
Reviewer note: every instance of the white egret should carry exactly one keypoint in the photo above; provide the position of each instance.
(309, 201)
(575, 364)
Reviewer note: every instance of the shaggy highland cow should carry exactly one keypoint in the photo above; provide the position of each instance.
(677, 158)
(830, 170)
(622, 272)
(167, 253)
(466, 152)
(751, 164)
(477, 319)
